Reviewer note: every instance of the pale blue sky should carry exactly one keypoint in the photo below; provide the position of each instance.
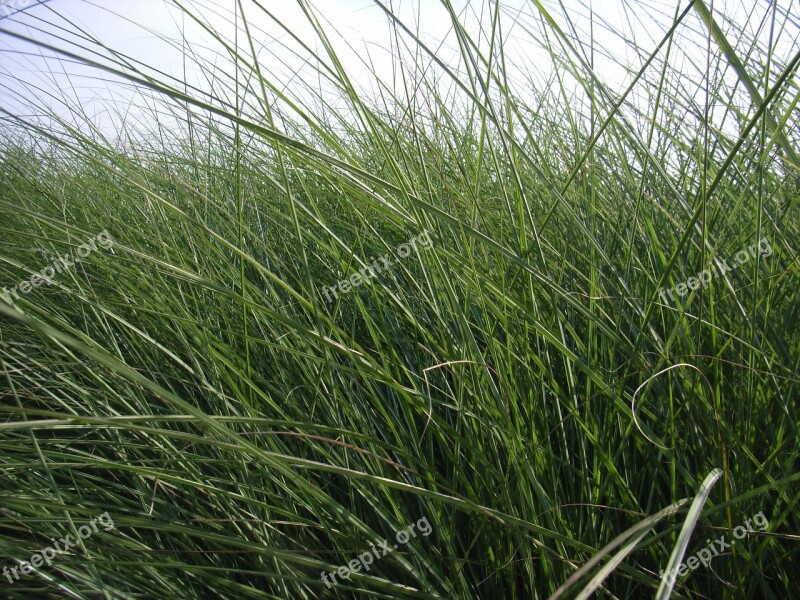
(134, 27)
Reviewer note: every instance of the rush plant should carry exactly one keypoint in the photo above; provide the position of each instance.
(520, 384)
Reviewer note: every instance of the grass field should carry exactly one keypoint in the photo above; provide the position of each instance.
(583, 378)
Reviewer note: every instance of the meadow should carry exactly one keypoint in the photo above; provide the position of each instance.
(519, 385)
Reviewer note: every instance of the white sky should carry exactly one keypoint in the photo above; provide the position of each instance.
(136, 28)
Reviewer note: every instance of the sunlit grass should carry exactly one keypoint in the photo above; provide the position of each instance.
(246, 435)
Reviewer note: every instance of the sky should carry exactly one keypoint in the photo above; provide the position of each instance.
(156, 33)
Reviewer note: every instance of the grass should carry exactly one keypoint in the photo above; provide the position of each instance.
(520, 384)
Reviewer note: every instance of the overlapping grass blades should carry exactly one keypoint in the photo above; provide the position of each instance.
(246, 435)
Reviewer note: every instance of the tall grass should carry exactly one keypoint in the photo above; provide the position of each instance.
(521, 384)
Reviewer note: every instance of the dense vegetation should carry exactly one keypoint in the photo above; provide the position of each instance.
(524, 383)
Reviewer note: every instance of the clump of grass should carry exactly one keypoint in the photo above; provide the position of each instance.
(245, 435)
